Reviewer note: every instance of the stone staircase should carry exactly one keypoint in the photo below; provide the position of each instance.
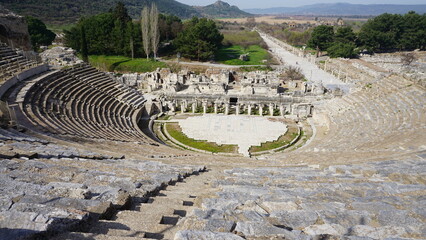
(157, 218)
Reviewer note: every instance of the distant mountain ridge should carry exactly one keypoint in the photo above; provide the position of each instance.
(69, 11)
(221, 9)
(342, 9)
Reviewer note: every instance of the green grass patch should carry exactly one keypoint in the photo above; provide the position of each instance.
(60, 28)
(176, 132)
(285, 139)
(230, 55)
(124, 64)
(256, 68)
(164, 117)
(243, 38)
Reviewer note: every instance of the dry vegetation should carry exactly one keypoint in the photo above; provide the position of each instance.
(290, 19)
(269, 20)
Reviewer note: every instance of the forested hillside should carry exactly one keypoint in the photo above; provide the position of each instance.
(69, 11)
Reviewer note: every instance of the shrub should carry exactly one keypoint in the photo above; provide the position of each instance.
(344, 50)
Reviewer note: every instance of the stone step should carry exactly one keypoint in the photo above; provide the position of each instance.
(114, 228)
(138, 216)
(182, 194)
(159, 209)
(168, 201)
(137, 226)
(92, 236)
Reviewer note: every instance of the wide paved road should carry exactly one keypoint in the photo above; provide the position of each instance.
(311, 71)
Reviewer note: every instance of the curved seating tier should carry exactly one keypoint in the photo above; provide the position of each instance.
(387, 115)
(12, 63)
(84, 102)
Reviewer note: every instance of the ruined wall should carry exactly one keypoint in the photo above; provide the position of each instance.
(14, 30)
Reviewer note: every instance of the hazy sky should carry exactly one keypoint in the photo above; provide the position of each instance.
(244, 4)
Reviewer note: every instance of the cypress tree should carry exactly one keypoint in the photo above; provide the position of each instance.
(84, 51)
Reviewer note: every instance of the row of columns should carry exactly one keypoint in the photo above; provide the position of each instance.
(184, 106)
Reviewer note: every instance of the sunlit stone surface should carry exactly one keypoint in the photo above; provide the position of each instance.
(244, 131)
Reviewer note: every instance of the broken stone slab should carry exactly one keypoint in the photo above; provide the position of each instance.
(109, 179)
(358, 238)
(271, 206)
(116, 196)
(346, 218)
(250, 215)
(8, 165)
(241, 197)
(28, 177)
(102, 209)
(313, 205)
(398, 218)
(167, 178)
(377, 232)
(372, 206)
(295, 219)
(22, 220)
(49, 212)
(251, 205)
(325, 229)
(33, 165)
(249, 190)
(213, 225)
(420, 208)
(5, 203)
(208, 214)
(69, 190)
(220, 204)
(25, 221)
(205, 235)
(264, 229)
(14, 188)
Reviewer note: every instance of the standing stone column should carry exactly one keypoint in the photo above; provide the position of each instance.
(173, 108)
(215, 108)
(204, 107)
(282, 110)
(271, 109)
(340, 70)
(261, 110)
(238, 109)
(182, 107)
(227, 109)
(194, 105)
(249, 109)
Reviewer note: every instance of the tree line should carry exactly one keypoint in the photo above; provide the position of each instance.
(39, 34)
(384, 33)
(115, 33)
